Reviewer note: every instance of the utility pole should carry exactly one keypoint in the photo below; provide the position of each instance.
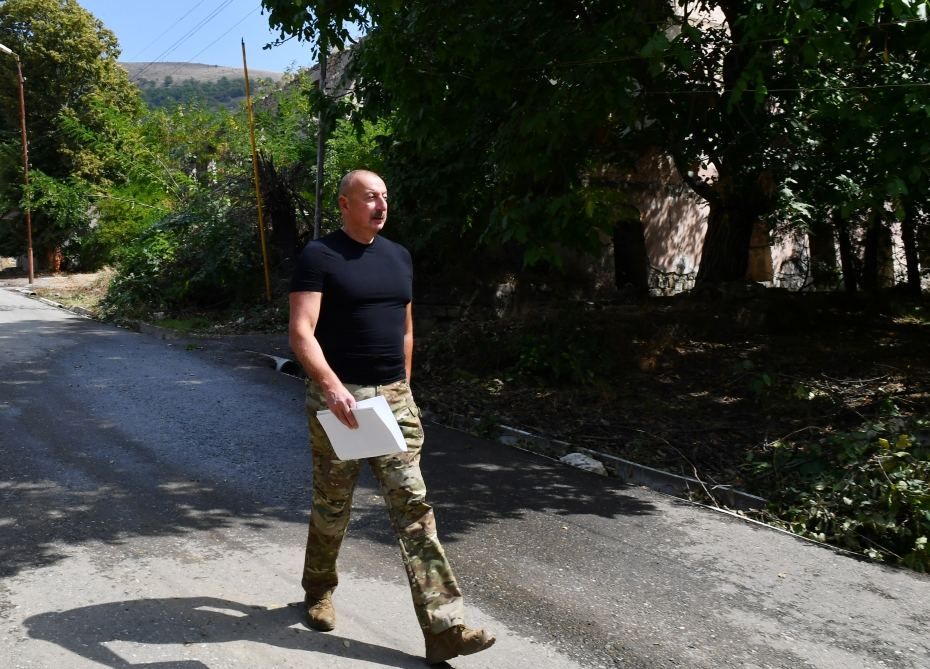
(321, 143)
(258, 185)
(22, 124)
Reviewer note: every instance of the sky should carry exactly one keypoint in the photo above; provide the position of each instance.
(197, 31)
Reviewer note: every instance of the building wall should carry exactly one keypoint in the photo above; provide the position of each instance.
(674, 224)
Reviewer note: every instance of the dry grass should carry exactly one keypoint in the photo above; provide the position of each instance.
(75, 290)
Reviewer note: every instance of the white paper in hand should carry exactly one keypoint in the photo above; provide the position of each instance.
(377, 434)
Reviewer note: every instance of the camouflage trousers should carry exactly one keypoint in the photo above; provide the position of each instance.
(436, 595)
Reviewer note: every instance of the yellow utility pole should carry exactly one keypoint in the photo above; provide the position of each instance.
(258, 187)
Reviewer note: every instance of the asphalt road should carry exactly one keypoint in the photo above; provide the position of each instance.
(153, 501)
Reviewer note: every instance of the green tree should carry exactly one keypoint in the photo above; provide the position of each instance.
(737, 86)
(73, 86)
(502, 132)
(856, 148)
(521, 127)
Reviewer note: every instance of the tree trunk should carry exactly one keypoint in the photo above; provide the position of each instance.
(822, 242)
(922, 236)
(54, 258)
(909, 239)
(725, 252)
(279, 207)
(759, 264)
(847, 255)
(631, 263)
(871, 255)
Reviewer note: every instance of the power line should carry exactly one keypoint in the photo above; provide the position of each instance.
(233, 27)
(207, 19)
(190, 33)
(169, 28)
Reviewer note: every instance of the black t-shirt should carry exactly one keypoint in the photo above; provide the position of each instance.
(363, 312)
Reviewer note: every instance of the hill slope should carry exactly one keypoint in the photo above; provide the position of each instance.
(167, 84)
(197, 71)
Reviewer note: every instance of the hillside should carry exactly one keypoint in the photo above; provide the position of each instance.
(196, 71)
(167, 84)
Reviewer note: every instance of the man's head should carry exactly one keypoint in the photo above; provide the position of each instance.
(363, 205)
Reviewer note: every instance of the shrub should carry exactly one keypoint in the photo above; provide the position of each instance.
(867, 491)
(206, 255)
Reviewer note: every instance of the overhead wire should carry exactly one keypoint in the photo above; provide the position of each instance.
(168, 29)
(231, 28)
(190, 33)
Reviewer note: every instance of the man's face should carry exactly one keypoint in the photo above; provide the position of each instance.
(364, 207)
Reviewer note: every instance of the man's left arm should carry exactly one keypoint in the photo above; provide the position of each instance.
(408, 341)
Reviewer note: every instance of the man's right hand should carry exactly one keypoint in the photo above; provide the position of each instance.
(305, 312)
(341, 402)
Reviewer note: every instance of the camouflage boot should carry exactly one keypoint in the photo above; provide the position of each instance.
(455, 641)
(321, 615)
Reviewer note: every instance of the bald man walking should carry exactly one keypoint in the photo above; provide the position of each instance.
(351, 328)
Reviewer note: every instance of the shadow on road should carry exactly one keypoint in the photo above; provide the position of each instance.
(473, 482)
(109, 435)
(188, 622)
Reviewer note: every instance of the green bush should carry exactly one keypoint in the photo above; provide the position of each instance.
(535, 348)
(121, 217)
(204, 256)
(866, 491)
(564, 357)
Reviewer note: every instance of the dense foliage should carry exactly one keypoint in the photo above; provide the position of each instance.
(203, 252)
(75, 92)
(500, 132)
(525, 126)
(225, 92)
(204, 256)
(868, 491)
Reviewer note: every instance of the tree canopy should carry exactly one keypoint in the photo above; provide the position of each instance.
(516, 120)
(74, 89)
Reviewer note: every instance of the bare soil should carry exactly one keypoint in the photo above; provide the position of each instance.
(691, 384)
(73, 290)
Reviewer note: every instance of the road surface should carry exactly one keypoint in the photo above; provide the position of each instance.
(153, 500)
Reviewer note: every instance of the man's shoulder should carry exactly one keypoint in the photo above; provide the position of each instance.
(330, 240)
(323, 247)
(393, 247)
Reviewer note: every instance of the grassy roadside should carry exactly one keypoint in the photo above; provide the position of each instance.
(85, 291)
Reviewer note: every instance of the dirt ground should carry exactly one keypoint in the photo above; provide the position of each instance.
(80, 290)
(693, 384)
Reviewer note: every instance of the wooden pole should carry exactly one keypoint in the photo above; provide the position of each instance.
(258, 187)
(320, 145)
(22, 124)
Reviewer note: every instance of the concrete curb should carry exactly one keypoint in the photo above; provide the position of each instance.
(676, 484)
(80, 311)
(29, 292)
(283, 365)
(631, 472)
